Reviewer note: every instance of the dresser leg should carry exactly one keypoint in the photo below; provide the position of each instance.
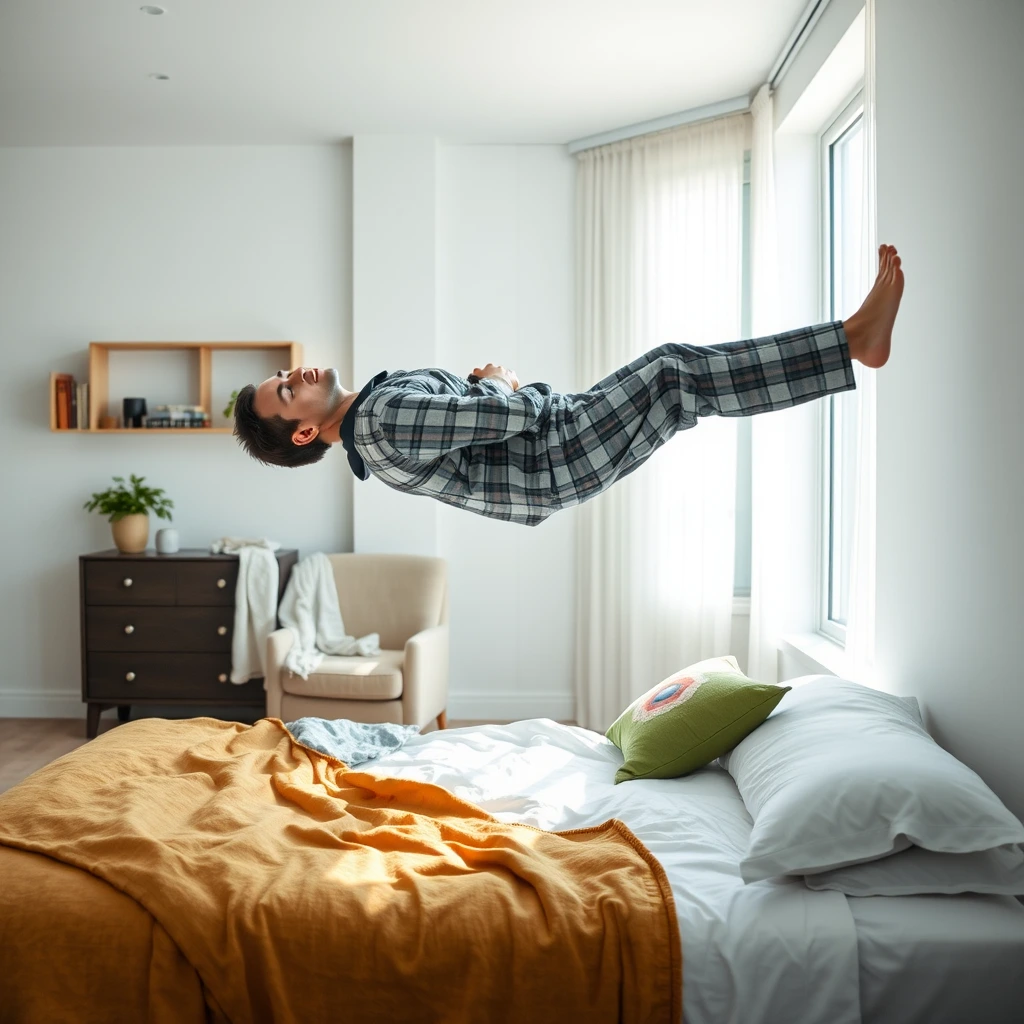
(124, 712)
(92, 723)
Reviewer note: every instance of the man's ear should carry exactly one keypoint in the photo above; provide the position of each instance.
(305, 434)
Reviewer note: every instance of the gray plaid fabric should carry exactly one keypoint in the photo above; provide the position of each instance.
(520, 456)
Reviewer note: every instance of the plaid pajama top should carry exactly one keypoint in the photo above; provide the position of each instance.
(522, 455)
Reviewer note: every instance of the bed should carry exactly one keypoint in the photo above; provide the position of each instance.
(770, 951)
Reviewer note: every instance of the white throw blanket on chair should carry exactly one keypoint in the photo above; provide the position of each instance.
(255, 603)
(309, 608)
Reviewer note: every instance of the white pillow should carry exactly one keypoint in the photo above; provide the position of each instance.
(841, 774)
(915, 871)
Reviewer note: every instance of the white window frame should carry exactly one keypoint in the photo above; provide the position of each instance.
(835, 128)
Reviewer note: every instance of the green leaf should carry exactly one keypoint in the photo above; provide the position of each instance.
(118, 502)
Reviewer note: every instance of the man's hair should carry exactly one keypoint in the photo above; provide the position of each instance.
(270, 440)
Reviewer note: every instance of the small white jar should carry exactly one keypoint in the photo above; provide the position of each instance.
(166, 541)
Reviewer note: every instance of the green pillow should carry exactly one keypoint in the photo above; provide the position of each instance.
(689, 719)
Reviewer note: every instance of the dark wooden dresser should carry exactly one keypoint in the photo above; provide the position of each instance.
(156, 629)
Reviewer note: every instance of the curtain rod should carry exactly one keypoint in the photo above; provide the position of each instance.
(733, 106)
(811, 13)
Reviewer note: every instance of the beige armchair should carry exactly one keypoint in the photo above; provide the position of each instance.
(404, 598)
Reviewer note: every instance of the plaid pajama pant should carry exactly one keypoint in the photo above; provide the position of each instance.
(521, 456)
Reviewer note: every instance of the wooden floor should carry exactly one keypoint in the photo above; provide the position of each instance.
(26, 744)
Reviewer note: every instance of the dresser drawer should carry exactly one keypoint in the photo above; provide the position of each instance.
(128, 677)
(206, 583)
(123, 628)
(128, 582)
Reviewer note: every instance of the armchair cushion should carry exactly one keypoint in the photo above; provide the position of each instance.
(365, 678)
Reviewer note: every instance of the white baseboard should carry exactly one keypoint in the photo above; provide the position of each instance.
(511, 707)
(33, 704)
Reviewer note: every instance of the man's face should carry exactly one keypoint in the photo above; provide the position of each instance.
(306, 394)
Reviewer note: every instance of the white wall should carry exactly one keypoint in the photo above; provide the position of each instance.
(144, 244)
(505, 295)
(394, 299)
(950, 410)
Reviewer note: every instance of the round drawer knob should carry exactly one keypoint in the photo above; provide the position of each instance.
(130, 676)
(222, 678)
(222, 630)
(129, 630)
(222, 584)
(127, 581)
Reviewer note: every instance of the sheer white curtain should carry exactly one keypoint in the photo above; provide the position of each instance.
(770, 579)
(659, 238)
(860, 630)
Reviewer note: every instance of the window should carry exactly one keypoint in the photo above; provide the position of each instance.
(842, 163)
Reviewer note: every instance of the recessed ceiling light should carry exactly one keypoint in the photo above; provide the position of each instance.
(148, 9)
(161, 78)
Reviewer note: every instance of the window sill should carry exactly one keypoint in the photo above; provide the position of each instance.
(817, 653)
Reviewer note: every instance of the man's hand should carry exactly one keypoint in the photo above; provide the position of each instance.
(490, 370)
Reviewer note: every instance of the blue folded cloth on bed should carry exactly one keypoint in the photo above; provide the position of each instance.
(351, 742)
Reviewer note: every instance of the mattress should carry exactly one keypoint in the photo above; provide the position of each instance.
(766, 953)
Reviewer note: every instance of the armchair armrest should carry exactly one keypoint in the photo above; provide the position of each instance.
(279, 643)
(425, 675)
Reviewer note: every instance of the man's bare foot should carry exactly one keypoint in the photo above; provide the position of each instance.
(869, 330)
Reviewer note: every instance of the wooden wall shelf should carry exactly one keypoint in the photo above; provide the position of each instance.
(99, 377)
(161, 430)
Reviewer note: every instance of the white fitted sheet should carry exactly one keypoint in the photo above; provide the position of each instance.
(940, 959)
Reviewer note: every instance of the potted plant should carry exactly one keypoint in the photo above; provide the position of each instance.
(128, 511)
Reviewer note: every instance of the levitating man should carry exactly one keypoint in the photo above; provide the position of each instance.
(520, 452)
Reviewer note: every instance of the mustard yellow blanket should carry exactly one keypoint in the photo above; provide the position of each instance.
(297, 890)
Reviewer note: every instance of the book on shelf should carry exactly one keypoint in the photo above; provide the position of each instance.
(63, 384)
(83, 405)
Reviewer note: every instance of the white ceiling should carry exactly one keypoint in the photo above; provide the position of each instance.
(74, 72)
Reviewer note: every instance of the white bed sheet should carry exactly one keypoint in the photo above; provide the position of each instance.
(765, 953)
(940, 959)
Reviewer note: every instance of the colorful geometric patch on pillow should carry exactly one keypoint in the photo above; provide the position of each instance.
(690, 718)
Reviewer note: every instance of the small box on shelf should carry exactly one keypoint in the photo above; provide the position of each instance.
(165, 417)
